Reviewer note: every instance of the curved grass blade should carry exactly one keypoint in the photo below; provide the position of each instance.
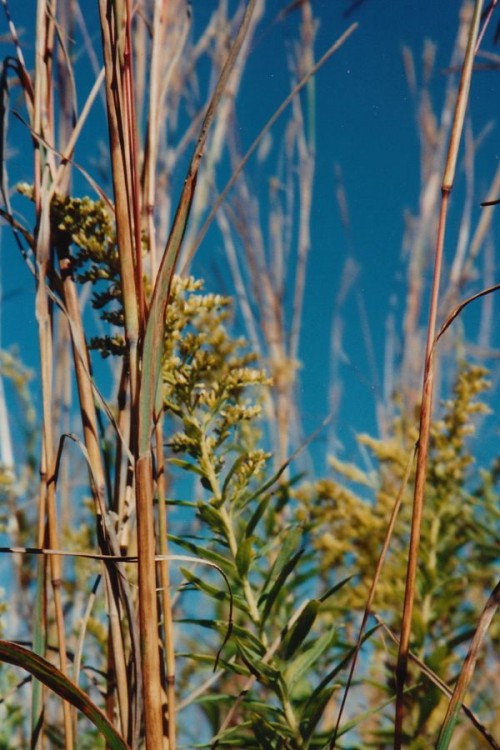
(467, 670)
(54, 679)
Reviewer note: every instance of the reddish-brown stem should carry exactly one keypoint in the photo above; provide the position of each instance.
(428, 377)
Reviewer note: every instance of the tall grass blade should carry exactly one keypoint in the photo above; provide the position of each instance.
(53, 678)
(467, 670)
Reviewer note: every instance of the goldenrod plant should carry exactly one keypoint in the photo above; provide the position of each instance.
(458, 538)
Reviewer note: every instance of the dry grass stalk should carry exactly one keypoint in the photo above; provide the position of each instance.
(428, 378)
(141, 169)
(147, 411)
(43, 125)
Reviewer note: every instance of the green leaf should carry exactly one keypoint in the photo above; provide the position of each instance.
(266, 498)
(229, 666)
(291, 542)
(265, 736)
(334, 589)
(273, 480)
(268, 598)
(212, 517)
(221, 594)
(192, 427)
(244, 555)
(296, 669)
(237, 631)
(186, 466)
(257, 515)
(265, 673)
(284, 564)
(341, 664)
(204, 553)
(233, 736)
(298, 633)
(56, 681)
(271, 734)
(313, 711)
(232, 471)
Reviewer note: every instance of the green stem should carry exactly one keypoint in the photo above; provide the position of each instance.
(211, 476)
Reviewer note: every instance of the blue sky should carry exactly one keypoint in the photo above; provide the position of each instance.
(365, 121)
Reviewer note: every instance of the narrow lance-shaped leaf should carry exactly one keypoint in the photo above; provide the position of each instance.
(289, 546)
(269, 598)
(297, 635)
(306, 660)
(54, 679)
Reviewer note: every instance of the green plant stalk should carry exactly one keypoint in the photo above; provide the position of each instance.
(428, 378)
(228, 525)
(247, 589)
(292, 720)
(248, 684)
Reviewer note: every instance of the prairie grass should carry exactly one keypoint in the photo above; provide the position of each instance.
(176, 579)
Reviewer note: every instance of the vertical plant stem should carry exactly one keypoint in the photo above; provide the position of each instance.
(117, 52)
(428, 378)
(98, 482)
(150, 156)
(166, 602)
(152, 351)
(148, 609)
(132, 162)
(113, 41)
(43, 125)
